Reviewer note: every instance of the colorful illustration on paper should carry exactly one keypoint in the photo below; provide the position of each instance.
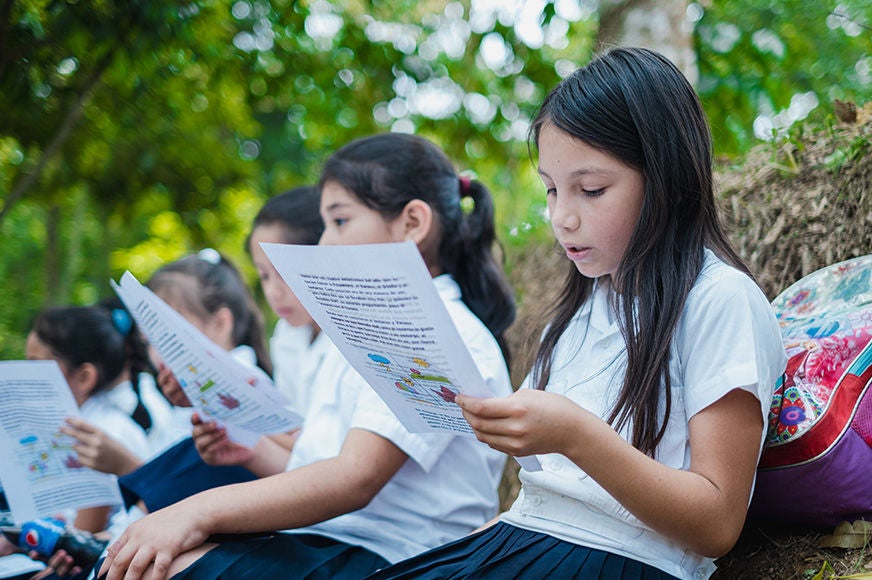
(418, 381)
(47, 458)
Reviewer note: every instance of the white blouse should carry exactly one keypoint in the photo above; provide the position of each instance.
(447, 488)
(726, 338)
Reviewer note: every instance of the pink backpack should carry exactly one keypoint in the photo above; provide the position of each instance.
(816, 467)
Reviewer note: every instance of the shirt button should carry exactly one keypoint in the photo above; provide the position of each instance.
(535, 500)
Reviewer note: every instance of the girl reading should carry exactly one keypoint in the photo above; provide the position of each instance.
(358, 491)
(647, 400)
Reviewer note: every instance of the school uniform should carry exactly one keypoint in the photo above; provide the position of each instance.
(296, 357)
(563, 524)
(446, 488)
(102, 411)
(167, 426)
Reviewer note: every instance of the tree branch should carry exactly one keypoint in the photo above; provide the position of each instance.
(71, 117)
(5, 12)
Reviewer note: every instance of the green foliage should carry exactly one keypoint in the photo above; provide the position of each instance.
(134, 132)
(847, 153)
(759, 58)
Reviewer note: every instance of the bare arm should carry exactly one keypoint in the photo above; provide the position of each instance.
(703, 508)
(304, 496)
(92, 519)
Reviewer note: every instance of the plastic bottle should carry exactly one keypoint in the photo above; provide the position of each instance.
(46, 536)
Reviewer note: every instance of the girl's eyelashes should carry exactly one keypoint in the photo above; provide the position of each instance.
(339, 222)
(587, 192)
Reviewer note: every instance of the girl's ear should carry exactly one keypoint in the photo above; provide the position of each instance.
(416, 221)
(83, 381)
(220, 328)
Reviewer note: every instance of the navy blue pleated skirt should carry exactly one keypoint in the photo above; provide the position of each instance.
(504, 551)
(175, 474)
(286, 556)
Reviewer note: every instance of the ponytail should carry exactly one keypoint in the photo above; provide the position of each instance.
(387, 171)
(103, 335)
(468, 256)
(136, 352)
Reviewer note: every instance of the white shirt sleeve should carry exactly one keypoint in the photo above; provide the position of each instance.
(374, 415)
(728, 339)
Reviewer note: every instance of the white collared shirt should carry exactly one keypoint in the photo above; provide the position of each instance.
(448, 486)
(296, 359)
(726, 338)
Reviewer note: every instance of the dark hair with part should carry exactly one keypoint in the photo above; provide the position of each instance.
(206, 282)
(636, 106)
(296, 210)
(387, 171)
(104, 336)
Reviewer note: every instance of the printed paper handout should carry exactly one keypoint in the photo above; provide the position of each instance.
(220, 388)
(17, 565)
(380, 307)
(41, 475)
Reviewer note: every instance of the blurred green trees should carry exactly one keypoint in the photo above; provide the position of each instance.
(133, 132)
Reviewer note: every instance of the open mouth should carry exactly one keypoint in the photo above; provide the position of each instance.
(576, 252)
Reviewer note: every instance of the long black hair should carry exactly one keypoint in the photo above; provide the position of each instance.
(296, 210)
(207, 281)
(387, 171)
(103, 335)
(636, 106)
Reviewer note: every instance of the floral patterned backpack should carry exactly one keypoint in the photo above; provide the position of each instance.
(816, 467)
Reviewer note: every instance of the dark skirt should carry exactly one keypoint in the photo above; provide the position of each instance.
(175, 474)
(286, 556)
(506, 551)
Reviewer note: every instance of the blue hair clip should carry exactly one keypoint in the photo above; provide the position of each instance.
(122, 321)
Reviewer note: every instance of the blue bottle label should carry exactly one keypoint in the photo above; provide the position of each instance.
(41, 535)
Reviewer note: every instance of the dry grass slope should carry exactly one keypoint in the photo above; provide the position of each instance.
(790, 209)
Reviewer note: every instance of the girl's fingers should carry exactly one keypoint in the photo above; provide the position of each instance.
(85, 452)
(206, 428)
(76, 432)
(81, 424)
(139, 565)
(207, 440)
(109, 566)
(161, 566)
(494, 407)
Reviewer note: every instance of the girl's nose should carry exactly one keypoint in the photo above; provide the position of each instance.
(563, 215)
(326, 239)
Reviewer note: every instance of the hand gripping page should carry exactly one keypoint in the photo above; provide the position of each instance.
(219, 387)
(380, 307)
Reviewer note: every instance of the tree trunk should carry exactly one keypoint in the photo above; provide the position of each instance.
(52, 255)
(660, 25)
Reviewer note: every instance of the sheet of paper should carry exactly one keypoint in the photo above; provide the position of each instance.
(379, 305)
(40, 475)
(15, 565)
(219, 387)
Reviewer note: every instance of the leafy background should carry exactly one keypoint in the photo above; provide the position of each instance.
(134, 132)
